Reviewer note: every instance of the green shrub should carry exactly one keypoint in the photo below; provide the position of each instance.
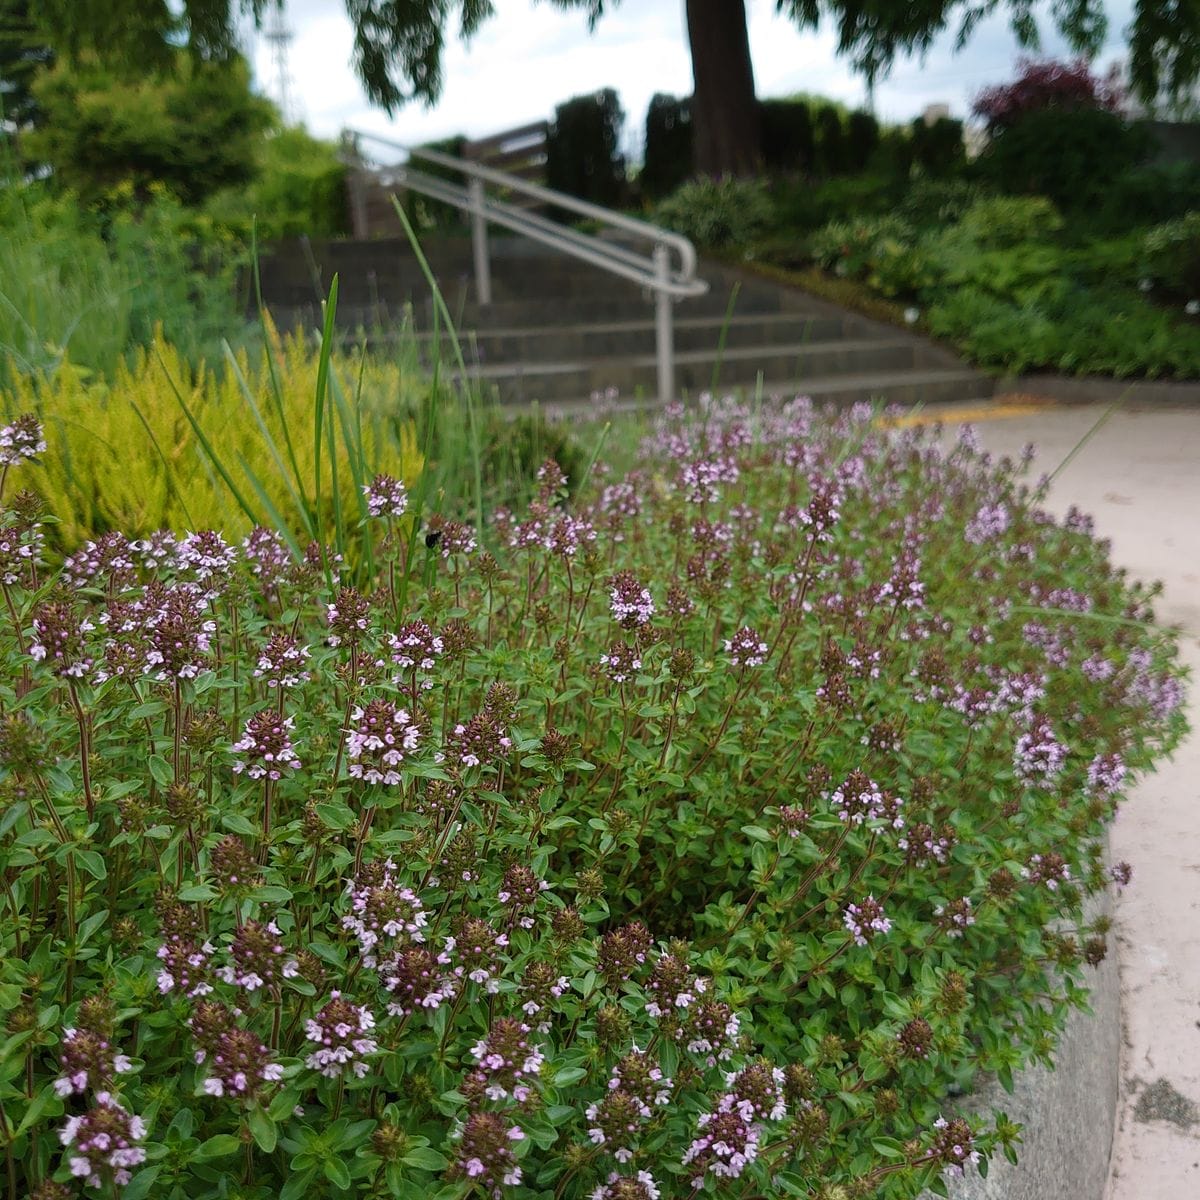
(1172, 255)
(583, 155)
(718, 213)
(788, 138)
(1145, 195)
(831, 150)
(1070, 156)
(999, 222)
(881, 251)
(937, 148)
(668, 150)
(807, 205)
(128, 458)
(643, 843)
(299, 189)
(193, 131)
(78, 286)
(935, 203)
(862, 140)
(1091, 333)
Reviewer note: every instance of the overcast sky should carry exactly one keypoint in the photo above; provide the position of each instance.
(532, 56)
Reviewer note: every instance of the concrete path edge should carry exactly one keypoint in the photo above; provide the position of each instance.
(1068, 1113)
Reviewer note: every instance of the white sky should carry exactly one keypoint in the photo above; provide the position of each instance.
(531, 56)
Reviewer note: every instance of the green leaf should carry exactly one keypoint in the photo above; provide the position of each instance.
(426, 1158)
(139, 1187)
(262, 1129)
(337, 1173)
(296, 1188)
(161, 770)
(219, 1146)
(92, 863)
(197, 893)
(336, 816)
(569, 1075)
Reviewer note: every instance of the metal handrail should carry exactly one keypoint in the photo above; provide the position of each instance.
(653, 271)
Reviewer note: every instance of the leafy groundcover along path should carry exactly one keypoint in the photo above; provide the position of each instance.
(703, 828)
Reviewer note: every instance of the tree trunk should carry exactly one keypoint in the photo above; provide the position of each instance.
(725, 121)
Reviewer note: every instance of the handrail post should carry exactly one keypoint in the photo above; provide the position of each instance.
(479, 243)
(664, 333)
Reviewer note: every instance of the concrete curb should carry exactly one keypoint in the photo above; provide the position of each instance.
(1093, 389)
(1068, 1114)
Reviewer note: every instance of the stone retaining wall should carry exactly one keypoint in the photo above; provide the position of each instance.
(1068, 1114)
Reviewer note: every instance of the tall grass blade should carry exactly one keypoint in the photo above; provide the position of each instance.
(723, 336)
(465, 387)
(211, 454)
(272, 372)
(272, 512)
(168, 472)
(1099, 423)
(319, 405)
(272, 448)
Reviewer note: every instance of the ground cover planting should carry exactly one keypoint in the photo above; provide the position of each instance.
(704, 828)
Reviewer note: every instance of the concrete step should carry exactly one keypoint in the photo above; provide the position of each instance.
(631, 375)
(623, 338)
(904, 387)
(296, 311)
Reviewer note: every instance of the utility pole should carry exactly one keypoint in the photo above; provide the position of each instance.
(279, 35)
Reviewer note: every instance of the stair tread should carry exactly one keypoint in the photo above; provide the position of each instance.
(495, 371)
(815, 386)
(631, 326)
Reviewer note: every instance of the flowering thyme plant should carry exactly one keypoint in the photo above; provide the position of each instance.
(705, 835)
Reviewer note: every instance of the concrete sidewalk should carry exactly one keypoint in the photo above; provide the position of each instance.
(1140, 478)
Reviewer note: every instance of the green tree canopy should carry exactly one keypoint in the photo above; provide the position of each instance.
(194, 131)
(399, 44)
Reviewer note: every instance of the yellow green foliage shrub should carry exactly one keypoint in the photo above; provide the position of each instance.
(129, 457)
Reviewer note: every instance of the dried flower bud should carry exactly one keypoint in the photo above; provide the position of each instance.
(235, 870)
(567, 925)
(612, 1027)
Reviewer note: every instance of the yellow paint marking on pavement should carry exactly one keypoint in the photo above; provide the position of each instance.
(978, 412)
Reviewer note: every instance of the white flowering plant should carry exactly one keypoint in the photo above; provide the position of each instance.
(703, 833)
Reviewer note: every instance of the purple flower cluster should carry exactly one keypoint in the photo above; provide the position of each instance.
(415, 648)
(508, 1061)
(989, 522)
(955, 916)
(382, 735)
(746, 648)
(1105, 774)
(621, 662)
(21, 441)
(266, 746)
(103, 1143)
(726, 1143)
(485, 1155)
(1049, 869)
(238, 1063)
(258, 958)
(865, 919)
(206, 556)
(858, 799)
(281, 662)
(627, 1187)
(631, 603)
(383, 907)
(386, 497)
(88, 1060)
(341, 1032)
(1038, 755)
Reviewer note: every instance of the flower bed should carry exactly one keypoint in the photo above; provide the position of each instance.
(706, 833)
